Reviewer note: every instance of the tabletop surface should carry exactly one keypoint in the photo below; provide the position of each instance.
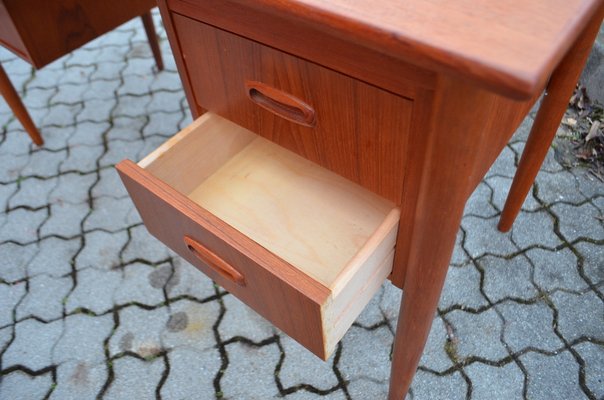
(510, 46)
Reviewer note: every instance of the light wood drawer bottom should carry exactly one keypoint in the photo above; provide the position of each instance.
(304, 247)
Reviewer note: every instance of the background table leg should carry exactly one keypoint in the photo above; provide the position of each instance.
(153, 41)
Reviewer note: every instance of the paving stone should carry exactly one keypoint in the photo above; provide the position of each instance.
(22, 225)
(163, 124)
(302, 394)
(83, 56)
(434, 356)
(462, 288)
(139, 331)
(135, 286)
(76, 75)
(164, 101)
(504, 165)
(302, 367)
(135, 85)
(46, 77)
(459, 257)
(10, 296)
(477, 334)
(135, 379)
(478, 203)
(101, 250)
(593, 356)
(556, 270)
(44, 164)
(44, 298)
(68, 93)
(495, 382)
(12, 167)
(250, 374)
(504, 278)
(108, 70)
(190, 325)
(483, 237)
(55, 138)
(130, 106)
(19, 385)
(579, 315)
(78, 380)
(82, 339)
(95, 110)
(61, 114)
(6, 335)
(65, 219)
(529, 326)
(109, 184)
(6, 192)
(94, 290)
(112, 214)
(82, 159)
(33, 193)
(187, 280)
(240, 320)
(37, 97)
(391, 302)
(14, 260)
(102, 90)
(15, 142)
(140, 66)
(191, 374)
(593, 261)
(579, 221)
(367, 389)
(89, 133)
(166, 80)
(429, 386)
(366, 354)
(535, 229)
(552, 377)
(72, 188)
(587, 183)
(127, 129)
(119, 150)
(142, 245)
(557, 187)
(501, 186)
(33, 344)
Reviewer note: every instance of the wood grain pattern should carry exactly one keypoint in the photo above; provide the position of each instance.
(369, 151)
(334, 52)
(510, 48)
(547, 121)
(335, 234)
(73, 22)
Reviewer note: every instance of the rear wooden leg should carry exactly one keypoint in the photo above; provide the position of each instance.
(152, 37)
(14, 102)
(553, 106)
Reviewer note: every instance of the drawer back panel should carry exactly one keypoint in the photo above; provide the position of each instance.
(359, 131)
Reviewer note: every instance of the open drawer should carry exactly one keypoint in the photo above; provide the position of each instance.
(304, 247)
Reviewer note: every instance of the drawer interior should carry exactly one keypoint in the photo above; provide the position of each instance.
(312, 218)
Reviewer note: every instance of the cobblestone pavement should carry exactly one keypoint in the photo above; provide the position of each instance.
(92, 306)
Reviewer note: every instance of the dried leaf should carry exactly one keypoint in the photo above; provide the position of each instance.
(594, 131)
(570, 122)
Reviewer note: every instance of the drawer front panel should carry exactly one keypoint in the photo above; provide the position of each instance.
(175, 220)
(356, 130)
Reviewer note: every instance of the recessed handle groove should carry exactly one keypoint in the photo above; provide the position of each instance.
(220, 266)
(280, 103)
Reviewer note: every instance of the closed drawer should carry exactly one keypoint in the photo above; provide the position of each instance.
(301, 245)
(356, 129)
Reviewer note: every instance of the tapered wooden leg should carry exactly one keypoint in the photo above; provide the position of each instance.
(14, 102)
(547, 121)
(153, 42)
(450, 144)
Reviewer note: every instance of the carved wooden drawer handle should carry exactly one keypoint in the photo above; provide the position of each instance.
(280, 103)
(223, 268)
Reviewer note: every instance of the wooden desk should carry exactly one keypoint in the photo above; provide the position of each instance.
(41, 31)
(410, 100)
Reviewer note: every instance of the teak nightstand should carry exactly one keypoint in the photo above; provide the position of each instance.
(341, 142)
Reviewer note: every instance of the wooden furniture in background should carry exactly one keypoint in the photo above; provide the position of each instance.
(41, 31)
(412, 100)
